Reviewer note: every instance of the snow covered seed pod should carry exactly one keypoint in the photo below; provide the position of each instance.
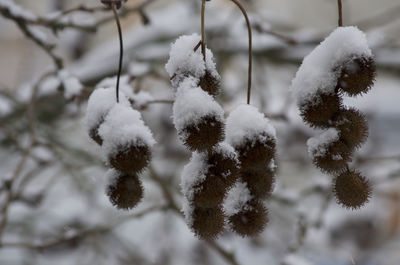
(184, 61)
(351, 189)
(321, 110)
(252, 135)
(353, 127)
(127, 140)
(125, 191)
(198, 118)
(246, 216)
(99, 104)
(328, 152)
(260, 181)
(357, 75)
(200, 186)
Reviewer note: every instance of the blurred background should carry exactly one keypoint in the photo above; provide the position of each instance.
(53, 208)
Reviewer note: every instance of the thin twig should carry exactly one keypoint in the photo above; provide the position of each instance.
(121, 47)
(340, 10)
(203, 35)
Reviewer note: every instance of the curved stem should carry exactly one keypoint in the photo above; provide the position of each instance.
(340, 10)
(203, 35)
(250, 48)
(121, 47)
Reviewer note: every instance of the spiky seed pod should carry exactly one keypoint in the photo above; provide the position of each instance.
(130, 158)
(251, 221)
(324, 107)
(357, 76)
(335, 158)
(353, 127)
(210, 192)
(210, 83)
(203, 134)
(256, 152)
(207, 223)
(125, 191)
(351, 189)
(259, 181)
(223, 162)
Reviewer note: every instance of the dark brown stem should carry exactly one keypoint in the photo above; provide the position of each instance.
(121, 47)
(250, 48)
(203, 35)
(340, 10)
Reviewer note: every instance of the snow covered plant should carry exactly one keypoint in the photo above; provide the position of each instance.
(341, 65)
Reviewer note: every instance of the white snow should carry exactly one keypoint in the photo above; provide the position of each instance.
(320, 70)
(141, 98)
(123, 125)
(192, 104)
(245, 122)
(99, 104)
(72, 86)
(295, 259)
(237, 199)
(112, 177)
(193, 174)
(17, 10)
(317, 146)
(184, 60)
(187, 209)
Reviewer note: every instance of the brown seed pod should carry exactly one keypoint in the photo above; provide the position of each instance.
(256, 152)
(353, 127)
(322, 111)
(210, 192)
(131, 158)
(260, 181)
(335, 158)
(251, 221)
(203, 135)
(124, 191)
(207, 223)
(351, 189)
(224, 163)
(357, 76)
(94, 133)
(210, 84)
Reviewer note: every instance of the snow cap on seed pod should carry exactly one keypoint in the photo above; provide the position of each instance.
(351, 189)
(357, 75)
(206, 223)
(260, 181)
(197, 117)
(127, 141)
(353, 127)
(199, 185)
(246, 216)
(125, 191)
(328, 152)
(252, 135)
(319, 72)
(99, 104)
(184, 61)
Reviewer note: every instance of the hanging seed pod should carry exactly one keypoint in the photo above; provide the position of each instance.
(353, 127)
(210, 83)
(252, 135)
(321, 110)
(197, 117)
(125, 191)
(357, 75)
(260, 181)
(328, 152)
(224, 163)
(127, 140)
(99, 104)
(351, 189)
(250, 221)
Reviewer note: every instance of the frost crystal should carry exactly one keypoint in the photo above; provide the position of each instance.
(317, 146)
(193, 104)
(320, 70)
(237, 199)
(246, 122)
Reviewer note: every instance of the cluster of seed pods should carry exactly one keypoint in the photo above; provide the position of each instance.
(345, 67)
(125, 143)
(219, 159)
